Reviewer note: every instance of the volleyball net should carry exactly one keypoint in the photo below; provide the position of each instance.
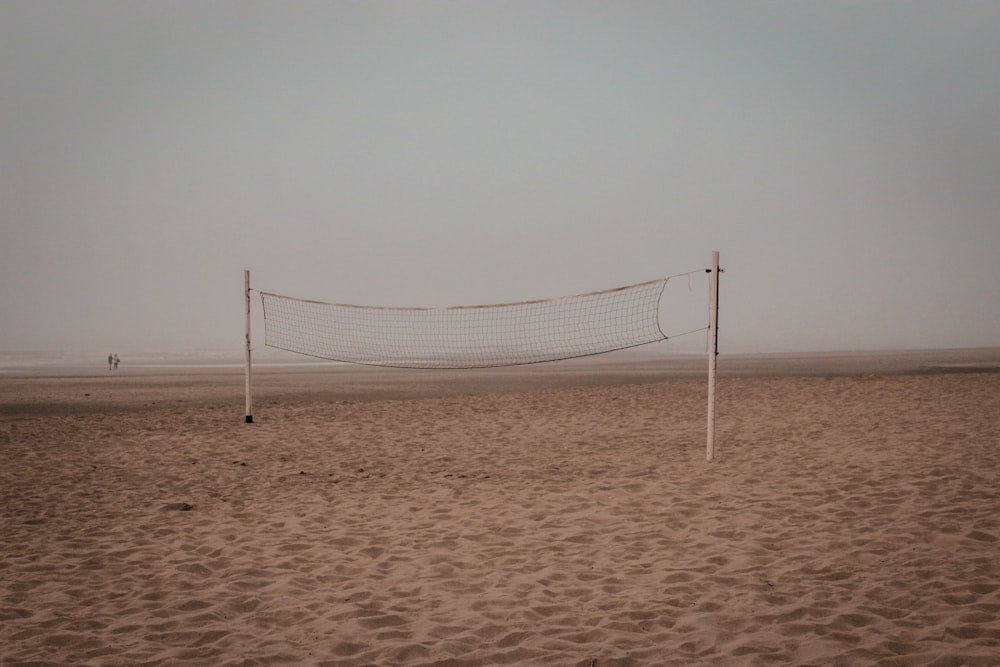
(477, 336)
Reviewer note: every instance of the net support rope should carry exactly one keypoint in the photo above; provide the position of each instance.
(480, 336)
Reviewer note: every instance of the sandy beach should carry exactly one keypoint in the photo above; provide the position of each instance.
(562, 514)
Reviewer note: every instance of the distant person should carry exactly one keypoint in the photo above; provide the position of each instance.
(111, 360)
(116, 362)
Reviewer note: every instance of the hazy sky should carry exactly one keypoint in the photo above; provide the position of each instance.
(844, 158)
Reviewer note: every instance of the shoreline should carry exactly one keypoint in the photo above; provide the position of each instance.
(25, 361)
(65, 390)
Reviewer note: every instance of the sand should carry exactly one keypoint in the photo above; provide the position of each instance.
(537, 517)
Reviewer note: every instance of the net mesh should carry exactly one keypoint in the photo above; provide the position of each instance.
(507, 334)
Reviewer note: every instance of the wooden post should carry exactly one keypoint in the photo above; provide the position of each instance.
(713, 350)
(249, 396)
